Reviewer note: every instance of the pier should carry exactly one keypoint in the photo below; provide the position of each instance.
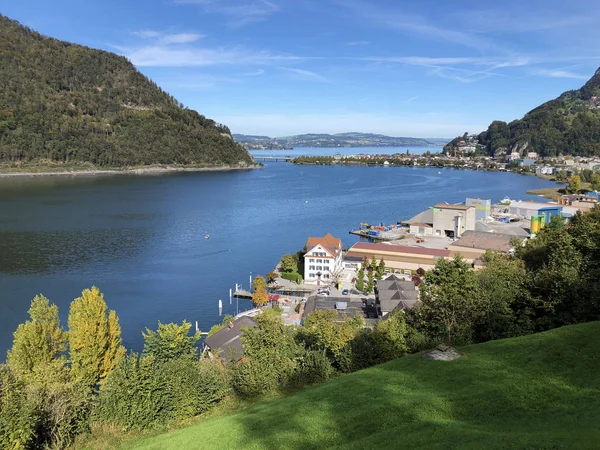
(273, 159)
(243, 294)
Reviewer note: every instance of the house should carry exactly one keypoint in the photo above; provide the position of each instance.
(532, 155)
(545, 170)
(226, 343)
(394, 293)
(322, 258)
(528, 162)
(398, 257)
(513, 156)
(443, 219)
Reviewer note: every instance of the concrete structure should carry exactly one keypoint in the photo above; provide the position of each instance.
(583, 202)
(473, 244)
(394, 293)
(398, 257)
(452, 220)
(483, 207)
(346, 306)
(443, 219)
(322, 258)
(226, 343)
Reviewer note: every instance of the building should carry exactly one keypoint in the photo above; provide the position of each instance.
(545, 170)
(443, 219)
(452, 220)
(473, 244)
(346, 306)
(530, 209)
(483, 207)
(398, 257)
(394, 293)
(532, 155)
(527, 162)
(584, 202)
(322, 258)
(226, 343)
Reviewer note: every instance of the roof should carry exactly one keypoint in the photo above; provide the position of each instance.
(393, 293)
(421, 224)
(449, 206)
(354, 307)
(423, 217)
(332, 244)
(374, 248)
(499, 242)
(228, 339)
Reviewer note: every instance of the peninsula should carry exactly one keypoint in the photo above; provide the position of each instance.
(68, 107)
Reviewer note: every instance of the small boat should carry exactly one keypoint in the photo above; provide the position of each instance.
(207, 236)
(439, 173)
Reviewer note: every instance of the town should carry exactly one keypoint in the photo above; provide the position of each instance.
(372, 279)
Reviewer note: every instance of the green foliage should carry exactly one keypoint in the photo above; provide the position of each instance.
(450, 301)
(574, 184)
(17, 416)
(595, 181)
(94, 338)
(171, 341)
(380, 271)
(561, 176)
(287, 263)
(260, 297)
(360, 280)
(271, 276)
(64, 103)
(38, 342)
(142, 393)
(292, 276)
(370, 281)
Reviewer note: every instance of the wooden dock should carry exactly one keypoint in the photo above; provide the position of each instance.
(243, 294)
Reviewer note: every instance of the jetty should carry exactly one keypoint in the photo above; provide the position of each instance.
(380, 232)
(240, 293)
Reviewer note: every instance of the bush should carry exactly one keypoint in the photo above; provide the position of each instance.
(141, 394)
(17, 417)
(292, 276)
(253, 377)
(314, 368)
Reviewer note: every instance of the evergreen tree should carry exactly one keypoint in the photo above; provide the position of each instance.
(370, 281)
(94, 338)
(360, 280)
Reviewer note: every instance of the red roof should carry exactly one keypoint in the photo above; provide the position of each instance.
(328, 242)
(400, 249)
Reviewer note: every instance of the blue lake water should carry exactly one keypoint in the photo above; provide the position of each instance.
(140, 239)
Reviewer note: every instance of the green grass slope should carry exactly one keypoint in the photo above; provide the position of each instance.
(538, 391)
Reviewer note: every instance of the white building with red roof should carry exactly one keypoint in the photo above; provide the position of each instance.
(322, 258)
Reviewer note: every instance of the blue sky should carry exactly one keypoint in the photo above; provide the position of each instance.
(424, 68)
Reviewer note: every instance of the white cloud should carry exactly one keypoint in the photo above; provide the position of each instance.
(306, 74)
(168, 38)
(356, 43)
(558, 73)
(240, 12)
(146, 34)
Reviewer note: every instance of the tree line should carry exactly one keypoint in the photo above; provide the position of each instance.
(60, 386)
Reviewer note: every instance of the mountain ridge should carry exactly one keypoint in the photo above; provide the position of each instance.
(66, 104)
(568, 124)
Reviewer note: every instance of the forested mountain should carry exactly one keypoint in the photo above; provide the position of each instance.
(569, 124)
(66, 103)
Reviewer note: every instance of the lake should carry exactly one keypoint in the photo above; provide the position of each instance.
(141, 239)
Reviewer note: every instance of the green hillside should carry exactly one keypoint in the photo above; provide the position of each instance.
(537, 391)
(569, 124)
(62, 103)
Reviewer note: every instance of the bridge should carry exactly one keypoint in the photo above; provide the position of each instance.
(273, 159)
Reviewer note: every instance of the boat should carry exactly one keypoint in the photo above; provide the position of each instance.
(206, 236)
(439, 173)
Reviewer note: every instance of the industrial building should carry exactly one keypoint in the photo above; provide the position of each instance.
(398, 257)
(473, 244)
(530, 209)
(443, 219)
(483, 207)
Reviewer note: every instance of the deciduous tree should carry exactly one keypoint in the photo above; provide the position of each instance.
(287, 263)
(574, 184)
(260, 297)
(170, 341)
(259, 283)
(94, 338)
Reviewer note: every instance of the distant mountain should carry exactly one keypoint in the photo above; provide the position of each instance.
(569, 124)
(66, 103)
(334, 140)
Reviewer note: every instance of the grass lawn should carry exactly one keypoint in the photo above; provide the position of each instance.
(538, 391)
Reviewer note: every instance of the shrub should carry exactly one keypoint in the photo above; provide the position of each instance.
(17, 417)
(292, 276)
(314, 368)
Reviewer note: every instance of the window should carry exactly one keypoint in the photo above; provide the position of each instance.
(319, 261)
(311, 268)
(319, 268)
(326, 275)
(325, 267)
(311, 275)
(311, 260)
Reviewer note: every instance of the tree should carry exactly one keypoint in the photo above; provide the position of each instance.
(260, 297)
(287, 263)
(259, 283)
(389, 337)
(373, 264)
(271, 276)
(38, 342)
(380, 270)
(561, 175)
(574, 184)
(450, 301)
(595, 181)
(170, 341)
(94, 338)
(327, 332)
(360, 280)
(370, 281)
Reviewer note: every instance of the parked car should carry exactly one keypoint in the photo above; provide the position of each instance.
(323, 294)
(345, 292)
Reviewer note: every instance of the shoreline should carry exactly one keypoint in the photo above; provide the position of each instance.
(151, 170)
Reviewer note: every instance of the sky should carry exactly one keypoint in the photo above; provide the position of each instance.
(427, 68)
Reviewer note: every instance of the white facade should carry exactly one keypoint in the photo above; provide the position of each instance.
(323, 259)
